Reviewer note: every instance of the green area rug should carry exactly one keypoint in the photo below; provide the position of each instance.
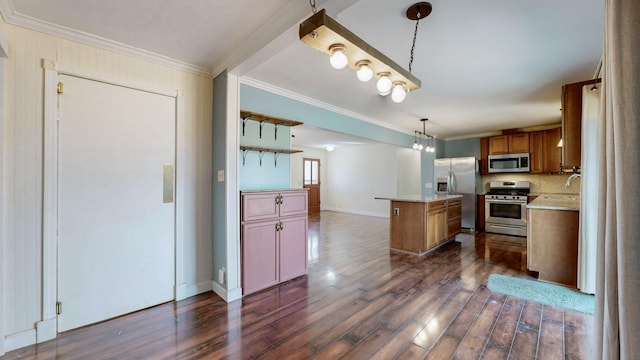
(542, 292)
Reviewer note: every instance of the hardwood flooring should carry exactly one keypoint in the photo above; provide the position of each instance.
(359, 301)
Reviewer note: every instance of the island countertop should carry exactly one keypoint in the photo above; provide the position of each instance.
(569, 202)
(420, 198)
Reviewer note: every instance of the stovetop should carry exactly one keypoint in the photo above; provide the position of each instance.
(515, 190)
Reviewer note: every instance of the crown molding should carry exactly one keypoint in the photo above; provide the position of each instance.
(12, 17)
(307, 100)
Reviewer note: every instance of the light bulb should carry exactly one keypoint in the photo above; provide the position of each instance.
(364, 72)
(329, 148)
(398, 94)
(420, 147)
(415, 146)
(384, 84)
(338, 59)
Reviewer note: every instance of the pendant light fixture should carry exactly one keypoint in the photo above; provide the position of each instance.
(429, 139)
(325, 34)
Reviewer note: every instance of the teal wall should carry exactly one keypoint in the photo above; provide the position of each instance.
(268, 175)
(264, 102)
(462, 148)
(219, 202)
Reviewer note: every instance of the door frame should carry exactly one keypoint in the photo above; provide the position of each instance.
(304, 159)
(47, 329)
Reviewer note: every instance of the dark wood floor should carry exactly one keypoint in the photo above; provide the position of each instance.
(359, 301)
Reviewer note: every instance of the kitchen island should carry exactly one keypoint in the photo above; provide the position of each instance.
(420, 224)
(552, 237)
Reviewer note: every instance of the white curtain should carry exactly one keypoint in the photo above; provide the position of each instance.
(617, 320)
(592, 145)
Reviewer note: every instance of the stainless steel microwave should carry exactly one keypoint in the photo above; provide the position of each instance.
(508, 163)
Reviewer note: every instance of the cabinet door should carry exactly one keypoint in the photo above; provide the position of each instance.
(259, 256)
(552, 153)
(454, 219)
(436, 227)
(499, 145)
(294, 203)
(480, 213)
(536, 152)
(484, 154)
(293, 248)
(519, 143)
(259, 206)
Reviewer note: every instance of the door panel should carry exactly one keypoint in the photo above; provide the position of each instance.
(311, 181)
(115, 234)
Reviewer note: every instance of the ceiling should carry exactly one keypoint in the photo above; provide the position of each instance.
(484, 65)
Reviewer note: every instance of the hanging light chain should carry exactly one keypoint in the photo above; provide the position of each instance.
(313, 5)
(413, 46)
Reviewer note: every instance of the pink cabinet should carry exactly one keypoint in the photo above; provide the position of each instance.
(273, 237)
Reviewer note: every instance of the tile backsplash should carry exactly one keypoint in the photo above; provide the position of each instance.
(540, 184)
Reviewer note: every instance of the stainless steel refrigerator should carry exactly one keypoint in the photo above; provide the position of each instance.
(459, 176)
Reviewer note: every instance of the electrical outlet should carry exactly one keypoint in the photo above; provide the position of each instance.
(221, 275)
(396, 211)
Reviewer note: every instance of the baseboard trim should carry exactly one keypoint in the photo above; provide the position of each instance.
(225, 294)
(184, 291)
(19, 340)
(46, 330)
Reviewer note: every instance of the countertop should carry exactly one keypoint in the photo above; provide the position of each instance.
(569, 202)
(420, 198)
(272, 190)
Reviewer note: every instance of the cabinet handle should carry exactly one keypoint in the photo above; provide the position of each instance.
(278, 199)
(281, 226)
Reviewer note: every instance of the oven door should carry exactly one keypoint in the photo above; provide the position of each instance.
(506, 212)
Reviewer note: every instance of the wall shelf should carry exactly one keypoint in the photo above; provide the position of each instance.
(262, 119)
(262, 150)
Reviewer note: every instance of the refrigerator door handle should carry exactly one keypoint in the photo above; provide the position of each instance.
(453, 183)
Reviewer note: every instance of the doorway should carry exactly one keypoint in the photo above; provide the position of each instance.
(116, 214)
(311, 181)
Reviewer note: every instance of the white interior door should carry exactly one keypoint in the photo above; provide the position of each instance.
(115, 224)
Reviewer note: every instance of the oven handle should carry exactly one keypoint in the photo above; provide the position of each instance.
(505, 201)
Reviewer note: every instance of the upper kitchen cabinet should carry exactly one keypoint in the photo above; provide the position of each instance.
(509, 144)
(484, 154)
(544, 151)
(572, 123)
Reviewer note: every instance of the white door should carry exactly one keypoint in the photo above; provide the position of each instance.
(115, 227)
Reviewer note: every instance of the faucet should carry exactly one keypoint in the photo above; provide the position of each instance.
(568, 184)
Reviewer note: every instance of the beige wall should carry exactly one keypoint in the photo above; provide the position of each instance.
(540, 184)
(23, 162)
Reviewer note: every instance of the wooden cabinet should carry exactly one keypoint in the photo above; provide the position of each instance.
(273, 238)
(551, 152)
(509, 144)
(572, 123)
(480, 213)
(552, 245)
(436, 223)
(454, 217)
(484, 155)
(544, 151)
(418, 227)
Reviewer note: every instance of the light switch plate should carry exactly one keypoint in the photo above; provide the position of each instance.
(220, 175)
(428, 185)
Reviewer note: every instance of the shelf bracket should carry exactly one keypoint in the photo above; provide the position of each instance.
(261, 125)
(244, 156)
(244, 123)
(260, 156)
(276, 132)
(276, 155)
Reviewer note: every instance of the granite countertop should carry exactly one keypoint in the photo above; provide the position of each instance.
(570, 202)
(420, 198)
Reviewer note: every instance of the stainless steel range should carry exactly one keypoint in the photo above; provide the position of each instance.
(506, 207)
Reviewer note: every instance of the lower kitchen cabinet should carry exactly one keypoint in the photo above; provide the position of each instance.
(454, 217)
(436, 223)
(274, 249)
